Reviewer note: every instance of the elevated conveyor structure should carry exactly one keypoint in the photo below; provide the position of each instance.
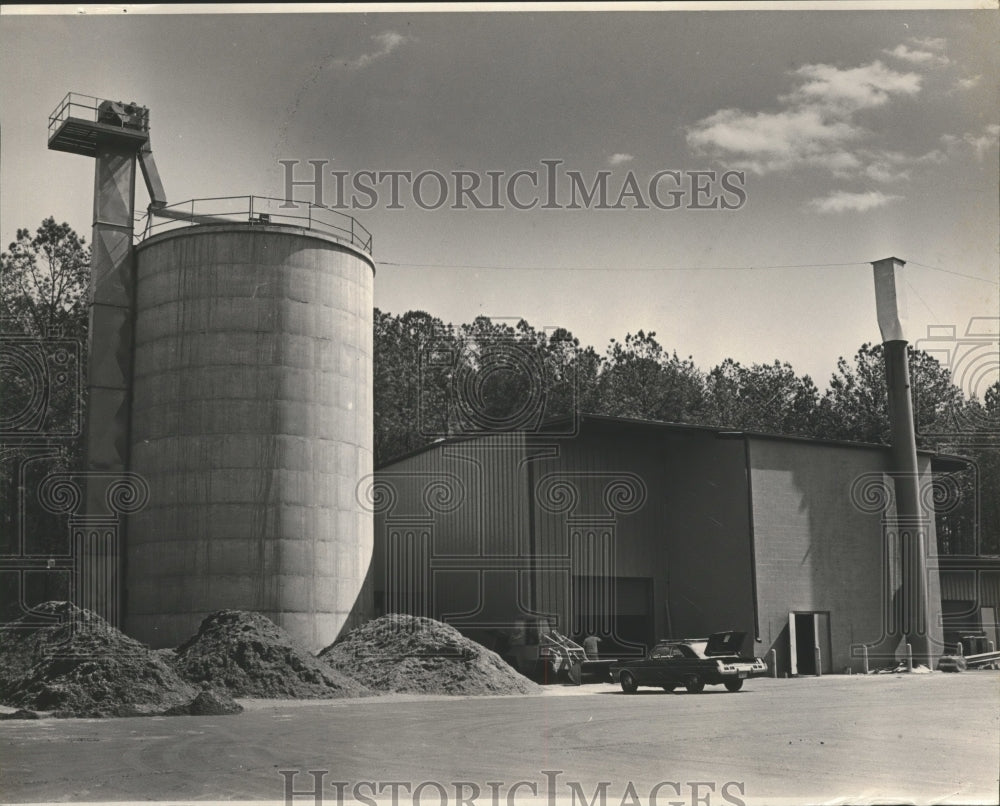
(231, 370)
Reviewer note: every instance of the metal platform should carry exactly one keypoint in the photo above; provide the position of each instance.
(80, 122)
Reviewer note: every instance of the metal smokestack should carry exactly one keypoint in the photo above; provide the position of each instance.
(909, 528)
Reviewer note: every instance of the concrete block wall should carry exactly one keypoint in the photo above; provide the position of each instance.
(817, 551)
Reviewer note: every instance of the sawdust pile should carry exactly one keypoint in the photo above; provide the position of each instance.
(207, 703)
(74, 663)
(248, 655)
(420, 655)
(20, 713)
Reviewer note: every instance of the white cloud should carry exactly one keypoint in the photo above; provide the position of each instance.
(881, 172)
(387, 42)
(893, 166)
(932, 42)
(849, 90)
(841, 201)
(817, 126)
(619, 158)
(981, 143)
(968, 83)
(918, 57)
(770, 141)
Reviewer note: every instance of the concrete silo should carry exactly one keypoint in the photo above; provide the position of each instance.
(252, 424)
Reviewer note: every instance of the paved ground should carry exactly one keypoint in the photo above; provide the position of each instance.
(931, 738)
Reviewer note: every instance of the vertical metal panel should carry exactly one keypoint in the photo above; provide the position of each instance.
(408, 570)
(989, 589)
(476, 553)
(959, 585)
(686, 540)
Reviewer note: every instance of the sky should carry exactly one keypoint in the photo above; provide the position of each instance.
(851, 136)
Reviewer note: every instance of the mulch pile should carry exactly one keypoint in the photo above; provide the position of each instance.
(207, 703)
(20, 713)
(75, 664)
(248, 655)
(420, 655)
(72, 663)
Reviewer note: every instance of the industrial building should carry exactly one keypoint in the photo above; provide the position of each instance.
(229, 432)
(635, 531)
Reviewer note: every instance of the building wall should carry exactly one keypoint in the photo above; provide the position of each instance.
(689, 536)
(450, 524)
(970, 594)
(662, 513)
(665, 513)
(818, 551)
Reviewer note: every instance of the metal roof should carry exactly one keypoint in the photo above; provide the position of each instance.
(555, 429)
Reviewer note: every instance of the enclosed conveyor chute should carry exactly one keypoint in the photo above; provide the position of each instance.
(151, 176)
(158, 196)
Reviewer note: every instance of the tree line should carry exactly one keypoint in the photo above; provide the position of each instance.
(43, 335)
(424, 366)
(434, 379)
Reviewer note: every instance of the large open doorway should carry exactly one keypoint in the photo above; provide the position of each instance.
(618, 610)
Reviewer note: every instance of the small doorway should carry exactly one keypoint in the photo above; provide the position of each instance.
(809, 643)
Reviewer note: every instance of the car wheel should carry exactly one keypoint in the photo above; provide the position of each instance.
(694, 685)
(629, 684)
(734, 685)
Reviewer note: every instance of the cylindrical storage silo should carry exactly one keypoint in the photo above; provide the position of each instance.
(252, 424)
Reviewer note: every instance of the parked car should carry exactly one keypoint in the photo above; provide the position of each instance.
(692, 663)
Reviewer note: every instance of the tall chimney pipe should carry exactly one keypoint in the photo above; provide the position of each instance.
(910, 525)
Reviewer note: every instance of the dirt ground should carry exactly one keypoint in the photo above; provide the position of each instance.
(931, 738)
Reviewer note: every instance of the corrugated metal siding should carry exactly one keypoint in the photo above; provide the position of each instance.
(959, 585)
(989, 589)
(664, 513)
(680, 525)
(469, 499)
(651, 509)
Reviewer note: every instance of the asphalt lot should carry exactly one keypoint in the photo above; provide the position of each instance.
(932, 738)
